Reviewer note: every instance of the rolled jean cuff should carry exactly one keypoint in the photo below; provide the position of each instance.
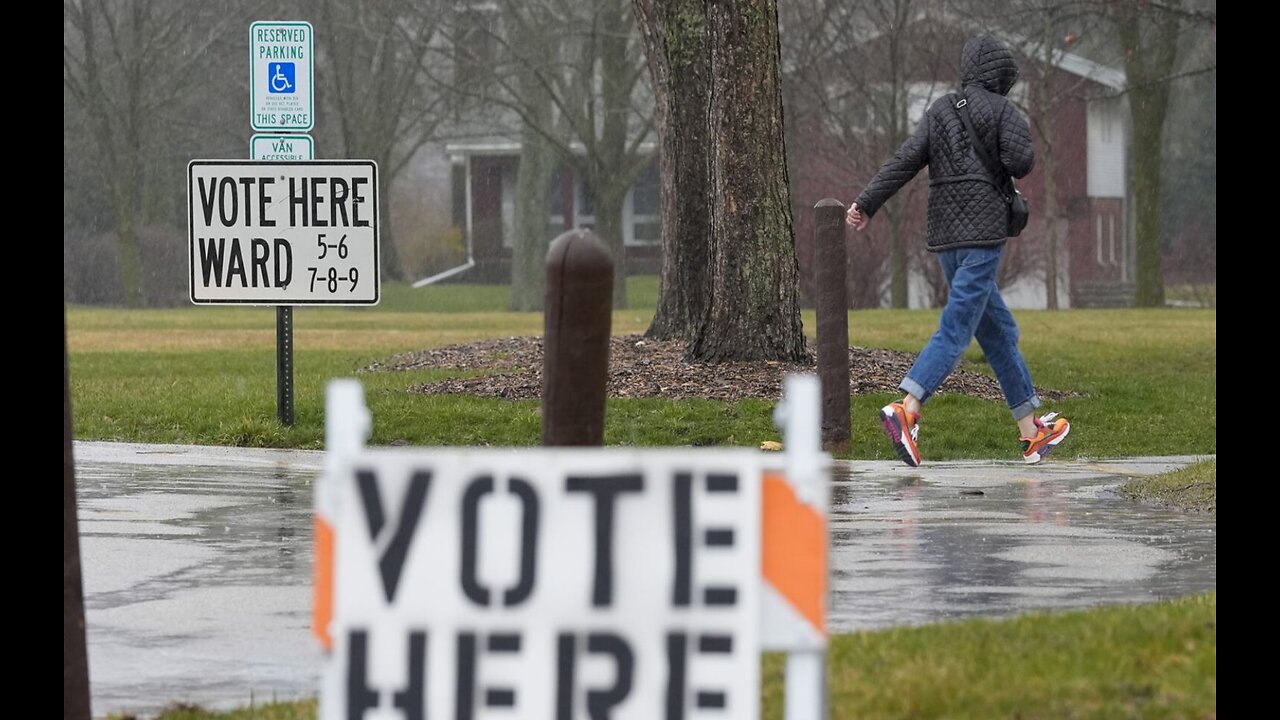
(913, 388)
(1025, 409)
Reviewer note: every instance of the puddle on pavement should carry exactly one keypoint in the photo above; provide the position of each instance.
(910, 550)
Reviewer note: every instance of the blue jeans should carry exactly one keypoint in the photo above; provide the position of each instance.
(974, 309)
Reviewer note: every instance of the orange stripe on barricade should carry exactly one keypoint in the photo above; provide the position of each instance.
(795, 550)
(322, 583)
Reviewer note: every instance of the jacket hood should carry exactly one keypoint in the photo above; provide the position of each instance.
(988, 62)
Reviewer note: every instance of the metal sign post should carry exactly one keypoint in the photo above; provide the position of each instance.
(282, 148)
(281, 83)
(283, 233)
(284, 365)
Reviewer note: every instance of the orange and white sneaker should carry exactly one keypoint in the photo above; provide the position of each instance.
(902, 428)
(1050, 430)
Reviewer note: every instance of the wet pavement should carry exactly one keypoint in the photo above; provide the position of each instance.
(197, 574)
(951, 540)
(197, 560)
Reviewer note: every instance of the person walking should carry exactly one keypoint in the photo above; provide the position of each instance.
(968, 223)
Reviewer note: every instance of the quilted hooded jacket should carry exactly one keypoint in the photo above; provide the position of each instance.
(965, 208)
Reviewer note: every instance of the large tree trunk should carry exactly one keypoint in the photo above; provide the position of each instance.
(755, 302)
(678, 53)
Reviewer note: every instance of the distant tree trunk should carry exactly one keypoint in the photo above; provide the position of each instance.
(898, 131)
(390, 257)
(1147, 68)
(118, 134)
(678, 52)
(1148, 137)
(537, 158)
(1051, 226)
(609, 200)
(1043, 99)
(529, 251)
(132, 72)
(128, 248)
(755, 300)
(611, 193)
(897, 258)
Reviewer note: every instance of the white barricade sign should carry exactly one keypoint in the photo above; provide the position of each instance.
(558, 582)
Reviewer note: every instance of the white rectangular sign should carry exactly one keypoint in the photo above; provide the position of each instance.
(281, 147)
(281, 71)
(283, 233)
(545, 583)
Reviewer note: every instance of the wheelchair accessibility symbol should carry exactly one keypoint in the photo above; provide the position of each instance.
(280, 78)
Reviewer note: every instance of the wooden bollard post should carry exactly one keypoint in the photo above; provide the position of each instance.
(577, 322)
(833, 322)
(75, 662)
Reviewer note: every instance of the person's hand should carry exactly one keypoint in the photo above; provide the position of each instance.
(856, 217)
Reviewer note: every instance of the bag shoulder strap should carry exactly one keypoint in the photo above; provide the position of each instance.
(962, 106)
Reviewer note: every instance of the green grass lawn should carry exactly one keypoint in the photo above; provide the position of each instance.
(1149, 661)
(206, 375)
(1147, 384)
(1146, 661)
(1192, 488)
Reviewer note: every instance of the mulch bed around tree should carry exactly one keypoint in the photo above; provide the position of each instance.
(640, 367)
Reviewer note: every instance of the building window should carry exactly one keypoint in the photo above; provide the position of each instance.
(1105, 146)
